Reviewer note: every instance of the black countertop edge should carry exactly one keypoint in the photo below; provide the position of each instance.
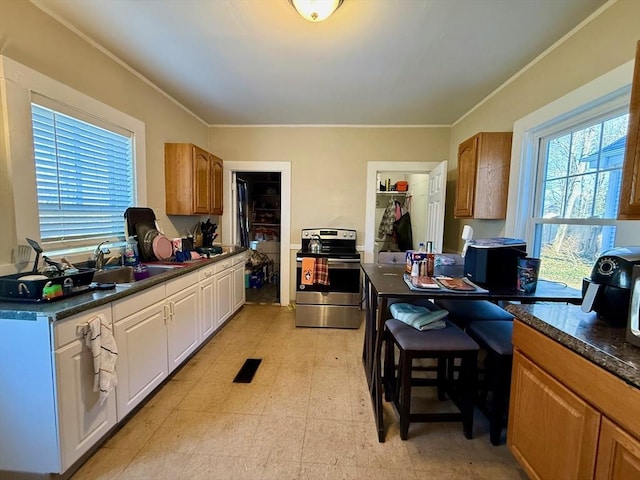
(64, 308)
(585, 334)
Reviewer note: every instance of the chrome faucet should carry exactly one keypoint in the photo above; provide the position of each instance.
(98, 255)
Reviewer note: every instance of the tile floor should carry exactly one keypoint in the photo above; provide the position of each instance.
(306, 415)
(268, 294)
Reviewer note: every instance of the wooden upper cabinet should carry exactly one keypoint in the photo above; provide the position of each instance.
(216, 185)
(483, 176)
(630, 194)
(201, 194)
(193, 180)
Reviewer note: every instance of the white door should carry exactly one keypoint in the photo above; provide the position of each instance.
(435, 205)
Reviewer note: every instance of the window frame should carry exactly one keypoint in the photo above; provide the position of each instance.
(19, 85)
(617, 106)
(606, 93)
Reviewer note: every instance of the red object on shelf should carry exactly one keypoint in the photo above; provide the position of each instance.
(402, 186)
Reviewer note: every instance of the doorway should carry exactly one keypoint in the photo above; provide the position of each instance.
(265, 174)
(258, 220)
(429, 180)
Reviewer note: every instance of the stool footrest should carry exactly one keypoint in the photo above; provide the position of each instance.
(435, 417)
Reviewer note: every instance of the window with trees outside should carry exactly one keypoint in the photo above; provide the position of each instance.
(577, 191)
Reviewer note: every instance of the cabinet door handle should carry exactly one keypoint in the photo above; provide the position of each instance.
(165, 308)
(172, 310)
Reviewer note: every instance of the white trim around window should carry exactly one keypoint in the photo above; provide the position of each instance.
(18, 85)
(524, 154)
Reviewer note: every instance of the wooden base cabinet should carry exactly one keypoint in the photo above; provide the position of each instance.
(568, 418)
(547, 422)
(618, 453)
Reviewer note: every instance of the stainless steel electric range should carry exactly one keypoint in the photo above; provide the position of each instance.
(337, 304)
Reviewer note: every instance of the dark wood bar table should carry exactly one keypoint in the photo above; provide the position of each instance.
(383, 281)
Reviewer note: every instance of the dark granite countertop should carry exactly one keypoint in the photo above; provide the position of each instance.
(585, 334)
(66, 307)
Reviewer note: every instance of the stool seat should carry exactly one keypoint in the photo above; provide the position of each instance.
(495, 334)
(495, 337)
(449, 339)
(463, 312)
(445, 345)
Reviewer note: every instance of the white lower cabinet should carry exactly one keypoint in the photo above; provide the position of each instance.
(141, 337)
(183, 323)
(223, 282)
(155, 332)
(239, 291)
(207, 303)
(83, 419)
(50, 414)
(222, 292)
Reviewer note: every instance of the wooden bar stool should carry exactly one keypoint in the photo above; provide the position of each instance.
(495, 338)
(445, 345)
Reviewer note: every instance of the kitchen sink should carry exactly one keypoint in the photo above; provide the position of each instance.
(123, 275)
(114, 275)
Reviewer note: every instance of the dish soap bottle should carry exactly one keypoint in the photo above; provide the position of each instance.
(131, 257)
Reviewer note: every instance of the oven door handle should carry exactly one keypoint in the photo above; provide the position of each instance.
(336, 260)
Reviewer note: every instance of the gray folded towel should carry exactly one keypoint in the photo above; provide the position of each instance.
(420, 318)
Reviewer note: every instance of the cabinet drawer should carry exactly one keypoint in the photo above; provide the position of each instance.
(180, 283)
(236, 259)
(125, 307)
(222, 265)
(66, 331)
(205, 273)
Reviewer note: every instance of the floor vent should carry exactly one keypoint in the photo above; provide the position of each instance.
(248, 370)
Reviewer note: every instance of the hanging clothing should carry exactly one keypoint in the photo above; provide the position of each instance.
(388, 217)
(403, 233)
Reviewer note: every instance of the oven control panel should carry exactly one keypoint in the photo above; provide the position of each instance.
(329, 233)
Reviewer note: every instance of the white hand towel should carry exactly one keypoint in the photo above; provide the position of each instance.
(99, 339)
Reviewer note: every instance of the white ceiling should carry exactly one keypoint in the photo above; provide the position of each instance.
(374, 62)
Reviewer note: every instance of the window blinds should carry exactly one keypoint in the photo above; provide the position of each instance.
(84, 176)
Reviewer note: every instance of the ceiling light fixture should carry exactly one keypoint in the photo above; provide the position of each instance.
(316, 10)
